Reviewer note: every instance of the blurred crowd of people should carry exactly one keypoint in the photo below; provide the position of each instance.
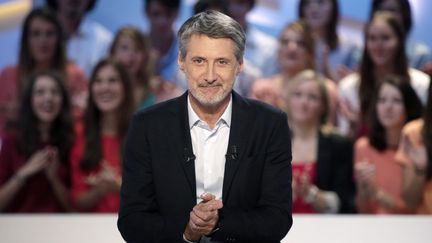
(360, 116)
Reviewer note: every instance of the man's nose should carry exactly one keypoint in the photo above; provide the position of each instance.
(210, 75)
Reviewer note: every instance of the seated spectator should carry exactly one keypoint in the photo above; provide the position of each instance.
(378, 176)
(383, 55)
(95, 158)
(322, 160)
(415, 154)
(335, 55)
(87, 41)
(34, 159)
(132, 49)
(296, 53)
(41, 48)
(419, 54)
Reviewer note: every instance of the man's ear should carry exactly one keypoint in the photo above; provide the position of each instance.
(240, 67)
(180, 61)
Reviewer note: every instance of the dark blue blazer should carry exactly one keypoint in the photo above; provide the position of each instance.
(159, 191)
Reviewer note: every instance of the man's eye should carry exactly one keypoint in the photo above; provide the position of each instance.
(198, 61)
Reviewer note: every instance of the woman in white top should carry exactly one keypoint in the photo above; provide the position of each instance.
(384, 54)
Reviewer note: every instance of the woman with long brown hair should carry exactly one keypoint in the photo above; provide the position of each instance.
(378, 176)
(335, 54)
(384, 55)
(96, 166)
(34, 158)
(41, 48)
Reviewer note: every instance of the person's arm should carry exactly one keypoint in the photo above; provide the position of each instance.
(414, 158)
(61, 192)
(139, 217)
(413, 186)
(100, 184)
(12, 186)
(363, 172)
(271, 218)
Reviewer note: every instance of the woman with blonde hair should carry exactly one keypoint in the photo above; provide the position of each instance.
(296, 53)
(322, 159)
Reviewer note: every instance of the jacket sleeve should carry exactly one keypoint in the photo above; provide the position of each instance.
(140, 219)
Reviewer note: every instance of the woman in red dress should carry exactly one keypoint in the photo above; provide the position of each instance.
(96, 166)
(34, 160)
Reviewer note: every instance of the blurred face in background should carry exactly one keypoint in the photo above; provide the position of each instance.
(43, 40)
(128, 53)
(46, 99)
(317, 13)
(72, 9)
(390, 107)
(393, 7)
(293, 55)
(107, 90)
(238, 10)
(161, 19)
(305, 102)
(381, 43)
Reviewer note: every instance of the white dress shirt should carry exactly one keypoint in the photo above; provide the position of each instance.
(209, 147)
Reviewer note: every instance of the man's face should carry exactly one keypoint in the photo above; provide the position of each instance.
(210, 67)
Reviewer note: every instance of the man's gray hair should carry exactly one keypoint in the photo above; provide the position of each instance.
(214, 25)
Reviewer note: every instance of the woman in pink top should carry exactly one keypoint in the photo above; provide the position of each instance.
(95, 159)
(378, 176)
(415, 154)
(41, 48)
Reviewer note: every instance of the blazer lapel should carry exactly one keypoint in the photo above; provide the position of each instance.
(237, 142)
(180, 136)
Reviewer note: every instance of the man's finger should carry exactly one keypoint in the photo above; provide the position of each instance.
(207, 196)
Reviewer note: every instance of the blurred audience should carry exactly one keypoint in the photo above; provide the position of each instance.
(95, 158)
(132, 49)
(41, 48)
(335, 55)
(322, 160)
(203, 5)
(34, 159)
(415, 154)
(383, 55)
(296, 53)
(261, 48)
(161, 15)
(87, 41)
(378, 176)
(419, 55)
